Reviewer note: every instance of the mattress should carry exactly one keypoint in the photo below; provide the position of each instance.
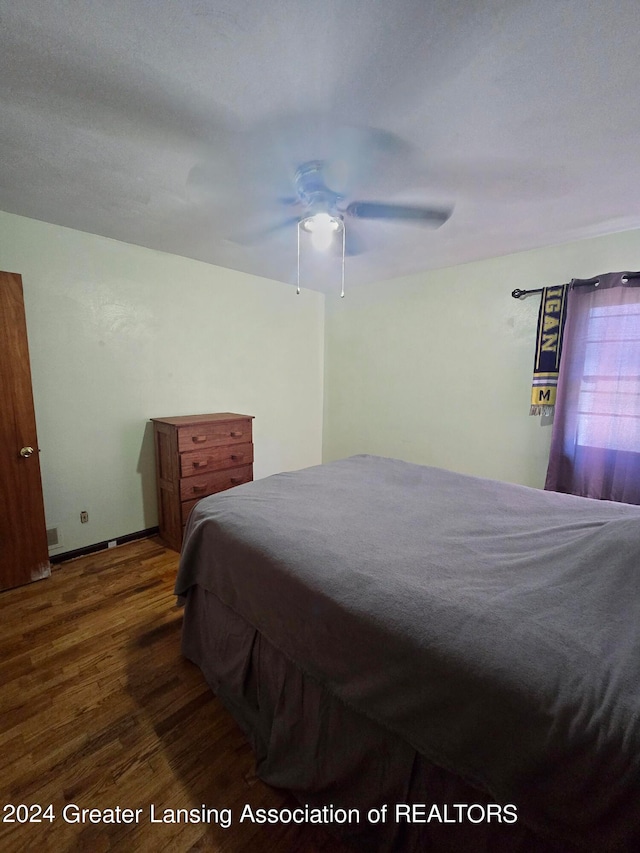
(491, 627)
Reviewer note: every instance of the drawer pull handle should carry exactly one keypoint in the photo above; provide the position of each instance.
(198, 464)
(236, 480)
(235, 434)
(197, 489)
(198, 439)
(237, 455)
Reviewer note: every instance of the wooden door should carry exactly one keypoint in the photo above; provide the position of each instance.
(23, 536)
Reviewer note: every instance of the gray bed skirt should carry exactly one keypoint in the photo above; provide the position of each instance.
(310, 743)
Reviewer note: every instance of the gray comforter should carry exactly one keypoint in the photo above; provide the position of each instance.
(494, 627)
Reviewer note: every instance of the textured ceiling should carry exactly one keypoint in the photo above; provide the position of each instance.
(179, 125)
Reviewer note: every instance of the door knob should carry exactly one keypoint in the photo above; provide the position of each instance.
(26, 452)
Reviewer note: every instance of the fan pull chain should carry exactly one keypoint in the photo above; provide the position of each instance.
(298, 288)
(344, 231)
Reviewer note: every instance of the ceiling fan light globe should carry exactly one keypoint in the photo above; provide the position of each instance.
(322, 227)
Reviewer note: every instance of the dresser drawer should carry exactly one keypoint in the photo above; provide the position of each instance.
(215, 459)
(213, 433)
(217, 481)
(186, 507)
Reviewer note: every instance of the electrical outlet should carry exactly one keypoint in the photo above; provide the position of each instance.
(112, 543)
(84, 516)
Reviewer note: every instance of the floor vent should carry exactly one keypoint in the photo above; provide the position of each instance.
(54, 538)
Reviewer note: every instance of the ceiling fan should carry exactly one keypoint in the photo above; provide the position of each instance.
(345, 162)
(324, 213)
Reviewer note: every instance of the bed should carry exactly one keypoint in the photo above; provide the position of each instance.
(391, 633)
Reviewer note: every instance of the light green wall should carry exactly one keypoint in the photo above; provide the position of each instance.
(432, 368)
(119, 334)
(436, 368)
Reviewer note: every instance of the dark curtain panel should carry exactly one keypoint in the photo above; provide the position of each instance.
(595, 445)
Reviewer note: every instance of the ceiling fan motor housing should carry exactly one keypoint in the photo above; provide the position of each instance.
(314, 195)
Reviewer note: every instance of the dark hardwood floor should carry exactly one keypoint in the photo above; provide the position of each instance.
(99, 709)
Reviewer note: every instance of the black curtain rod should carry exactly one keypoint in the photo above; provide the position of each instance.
(517, 293)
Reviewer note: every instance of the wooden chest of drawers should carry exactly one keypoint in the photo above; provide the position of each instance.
(196, 456)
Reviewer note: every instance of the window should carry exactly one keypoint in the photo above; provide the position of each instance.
(608, 414)
(595, 445)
